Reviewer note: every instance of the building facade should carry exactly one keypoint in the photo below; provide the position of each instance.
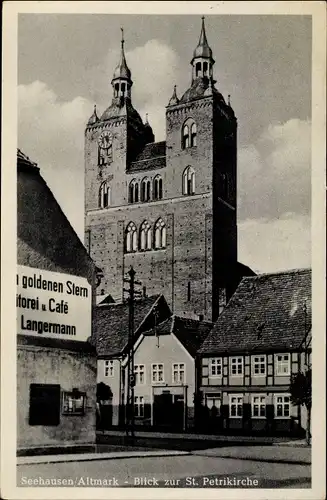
(259, 341)
(167, 208)
(56, 281)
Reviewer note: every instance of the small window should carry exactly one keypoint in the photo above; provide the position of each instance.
(188, 181)
(157, 373)
(197, 69)
(178, 373)
(131, 238)
(108, 368)
(133, 194)
(258, 405)
(236, 405)
(215, 367)
(145, 190)
(205, 68)
(104, 195)
(282, 364)
(282, 405)
(73, 403)
(193, 135)
(188, 291)
(44, 404)
(213, 400)
(116, 89)
(259, 365)
(186, 137)
(123, 88)
(139, 371)
(160, 234)
(139, 406)
(189, 134)
(236, 366)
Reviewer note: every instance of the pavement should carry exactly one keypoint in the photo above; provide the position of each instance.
(299, 455)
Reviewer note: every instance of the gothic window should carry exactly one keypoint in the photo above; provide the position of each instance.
(131, 238)
(160, 234)
(193, 135)
(189, 134)
(186, 137)
(133, 195)
(145, 189)
(157, 188)
(188, 181)
(104, 195)
(145, 236)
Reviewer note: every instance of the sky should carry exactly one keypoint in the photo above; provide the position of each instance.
(65, 66)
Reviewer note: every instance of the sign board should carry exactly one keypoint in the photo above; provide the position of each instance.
(51, 304)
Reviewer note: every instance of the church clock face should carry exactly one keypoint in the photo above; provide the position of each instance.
(105, 148)
(105, 140)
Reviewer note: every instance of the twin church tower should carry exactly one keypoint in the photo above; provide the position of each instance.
(166, 208)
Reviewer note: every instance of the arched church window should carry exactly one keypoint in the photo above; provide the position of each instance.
(104, 195)
(145, 242)
(193, 134)
(188, 181)
(116, 89)
(205, 68)
(197, 68)
(157, 188)
(189, 134)
(160, 234)
(133, 192)
(145, 189)
(131, 238)
(185, 137)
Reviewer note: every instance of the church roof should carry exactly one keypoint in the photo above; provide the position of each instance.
(203, 49)
(152, 156)
(266, 313)
(122, 70)
(197, 91)
(23, 161)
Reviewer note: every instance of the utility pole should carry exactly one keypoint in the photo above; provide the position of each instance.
(132, 293)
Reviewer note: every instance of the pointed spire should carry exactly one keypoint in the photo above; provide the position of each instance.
(203, 49)
(122, 70)
(174, 99)
(94, 117)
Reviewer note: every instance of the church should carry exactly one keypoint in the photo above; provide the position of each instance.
(168, 208)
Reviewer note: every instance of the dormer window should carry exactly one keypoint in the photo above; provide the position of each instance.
(189, 134)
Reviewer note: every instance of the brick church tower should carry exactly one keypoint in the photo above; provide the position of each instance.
(166, 208)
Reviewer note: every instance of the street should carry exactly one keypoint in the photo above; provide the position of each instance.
(171, 471)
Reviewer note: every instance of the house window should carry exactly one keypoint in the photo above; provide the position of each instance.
(259, 365)
(104, 195)
(283, 364)
(236, 405)
(258, 404)
(179, 373)
(145, 236)
(188, 181)
(44, 404)
(145, 190)
(160, 234)
(236, 366)
(139, 371)
(73, 403)
(139, 406)
(214, 400)
(282, 406)
(109, 368)
(133, 196)
(157, 373)
(157, 188)
(216, 367)
(131, 238)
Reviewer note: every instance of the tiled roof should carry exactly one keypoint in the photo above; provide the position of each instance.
(267, 312)
(57, 343)
(190, 332)
(151, 157)
(111, 322)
